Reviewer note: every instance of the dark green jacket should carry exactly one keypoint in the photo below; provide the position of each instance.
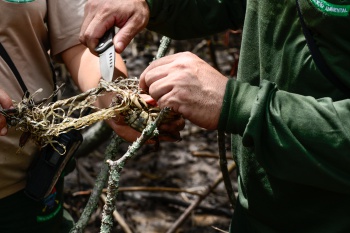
(290, 125)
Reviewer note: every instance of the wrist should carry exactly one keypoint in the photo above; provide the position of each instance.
(238, 101)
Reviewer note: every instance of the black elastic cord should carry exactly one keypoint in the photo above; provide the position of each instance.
(12, 66)
(317, 56)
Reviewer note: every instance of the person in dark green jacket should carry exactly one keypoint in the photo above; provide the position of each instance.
(290, 124)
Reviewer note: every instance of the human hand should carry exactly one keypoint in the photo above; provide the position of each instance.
(131, 16)
(6, 103)
(169, 129)
(188, 85)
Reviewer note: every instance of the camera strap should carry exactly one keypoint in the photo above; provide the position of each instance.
(317, 56)
(12, 66)
(20, 81)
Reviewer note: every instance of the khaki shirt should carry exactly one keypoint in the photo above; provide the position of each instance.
(28, 31)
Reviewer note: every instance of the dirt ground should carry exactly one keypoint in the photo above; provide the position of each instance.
(191, 165)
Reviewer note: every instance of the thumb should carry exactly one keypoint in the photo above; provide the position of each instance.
(6, 103)
(123, 38)
(5, 100)
(127, 32)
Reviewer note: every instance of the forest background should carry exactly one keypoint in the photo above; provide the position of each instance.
(157, 186)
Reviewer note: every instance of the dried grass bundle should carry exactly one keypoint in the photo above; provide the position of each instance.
(46, 120)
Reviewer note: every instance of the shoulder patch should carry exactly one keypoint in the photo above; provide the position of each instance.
(332, 9)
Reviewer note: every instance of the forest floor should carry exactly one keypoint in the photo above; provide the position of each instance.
(189, 167)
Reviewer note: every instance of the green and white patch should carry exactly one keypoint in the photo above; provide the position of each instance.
(331, 9)
(19, 1)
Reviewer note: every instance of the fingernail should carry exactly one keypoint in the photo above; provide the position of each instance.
(3, 131)
(119, 46)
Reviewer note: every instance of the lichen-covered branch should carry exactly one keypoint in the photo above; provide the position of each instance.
(118, 165)
(100, 182)
(163, 47)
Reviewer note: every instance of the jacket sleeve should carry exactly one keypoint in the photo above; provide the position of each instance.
(294, 137)
(192, 19)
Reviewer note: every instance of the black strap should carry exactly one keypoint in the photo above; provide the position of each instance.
(12, 66)
(317, 56)
(9, 62)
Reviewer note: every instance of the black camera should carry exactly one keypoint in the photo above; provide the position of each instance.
(47, 169)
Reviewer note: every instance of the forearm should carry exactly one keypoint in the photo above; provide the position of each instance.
(85, 69)
(190, 19)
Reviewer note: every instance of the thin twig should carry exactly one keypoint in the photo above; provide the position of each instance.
(176, 203)
(143, 189)
(224, 170)
(218, 229)
(212, 54)
(194, 204)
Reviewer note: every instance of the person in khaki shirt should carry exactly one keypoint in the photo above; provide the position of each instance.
(31, 31)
